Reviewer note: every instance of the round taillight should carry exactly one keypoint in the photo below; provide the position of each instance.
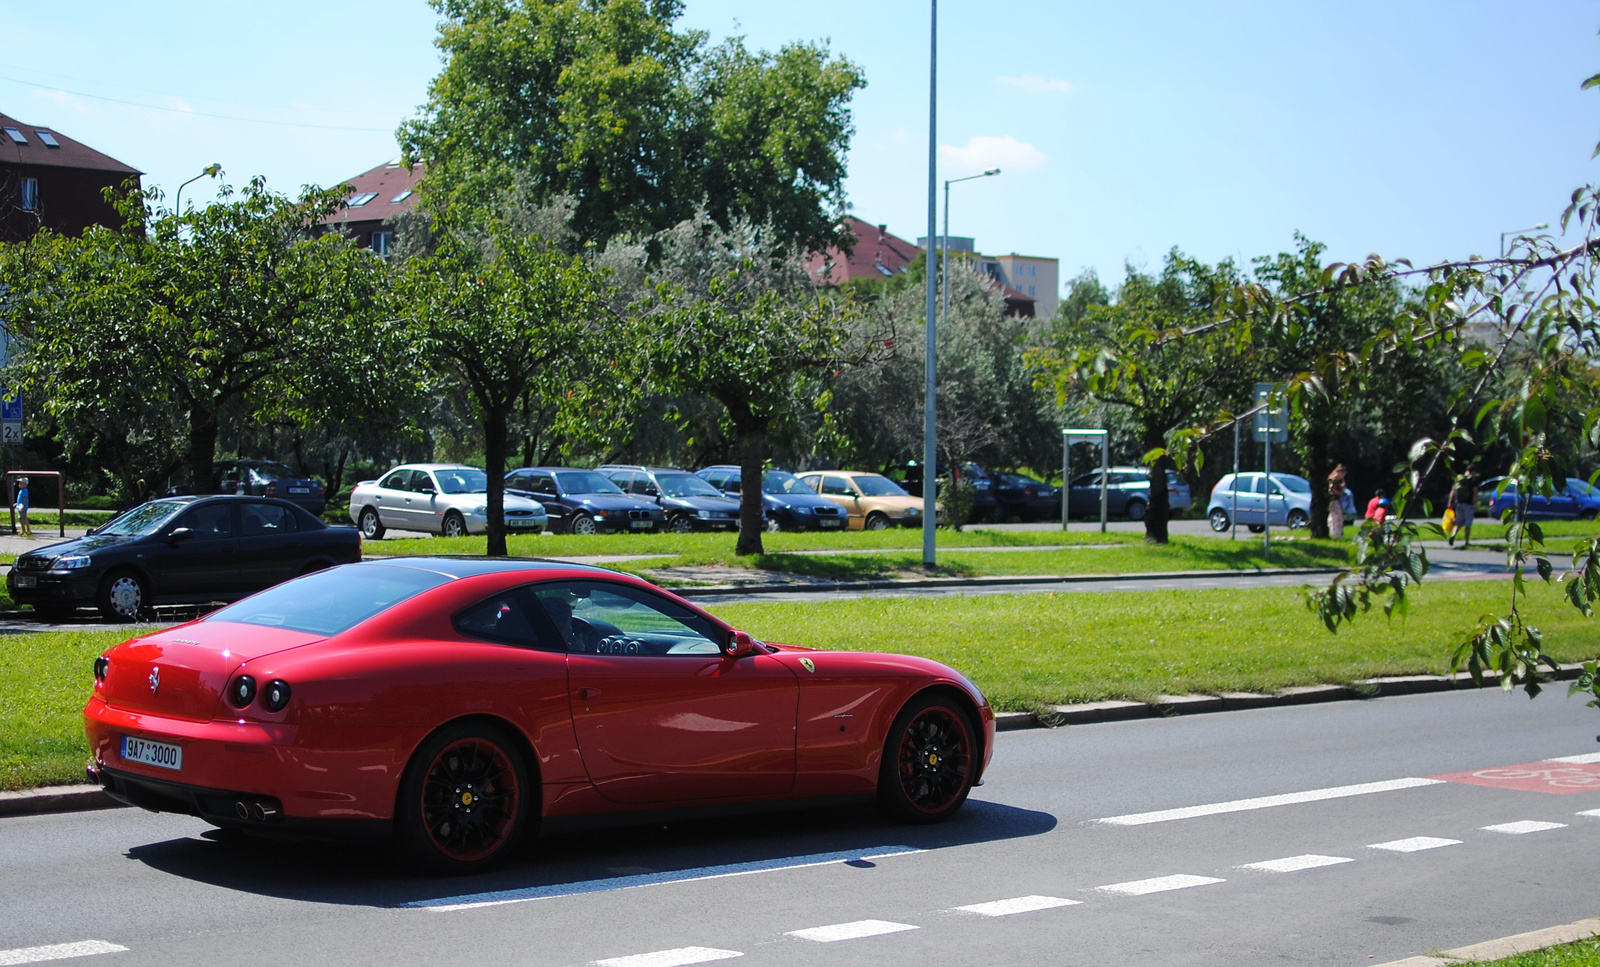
(242, 691)
(276, 695)
(101, 666)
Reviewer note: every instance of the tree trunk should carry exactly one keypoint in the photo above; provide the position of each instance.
(1315, 448)
(203, 430)
(751, 437)
(494, 464)
(1160, 507)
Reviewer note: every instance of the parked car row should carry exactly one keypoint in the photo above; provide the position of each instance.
(1576, 500)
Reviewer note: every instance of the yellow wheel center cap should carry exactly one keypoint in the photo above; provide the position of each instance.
(466, 799)
(933, 758)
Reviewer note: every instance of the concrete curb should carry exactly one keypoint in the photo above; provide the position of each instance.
(1506, 946)
(65, 799)
(1058, 715)
(709, 590)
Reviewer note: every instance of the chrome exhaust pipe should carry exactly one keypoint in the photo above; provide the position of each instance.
(242, 809)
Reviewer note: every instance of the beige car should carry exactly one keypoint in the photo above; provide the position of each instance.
(872, 501)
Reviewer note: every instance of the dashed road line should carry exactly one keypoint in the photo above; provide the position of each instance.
(1589, 812)
(1159, 884)
(1578, 760)
(473, 901)
(1525, 826)
(1415, 844)
(1294, 864)
(1266, 802)
(677, 957)
(1021, 904)
(854, 930)
(60, 951)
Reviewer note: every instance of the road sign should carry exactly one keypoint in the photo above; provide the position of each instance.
(10, 405)
(1272, 422)
(10, 433)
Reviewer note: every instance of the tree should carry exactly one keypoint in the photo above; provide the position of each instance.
(506, 319)
(1138, 353)
(233, 304)
(603, 101)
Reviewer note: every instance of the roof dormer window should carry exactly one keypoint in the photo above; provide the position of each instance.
(48, 139)
(356, 201)
(397, 199)
(16, 135)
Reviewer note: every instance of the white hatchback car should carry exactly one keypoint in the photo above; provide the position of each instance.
(1248, 499)
(450, 499)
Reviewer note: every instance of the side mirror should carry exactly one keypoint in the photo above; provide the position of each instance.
(427, 492)
(739, 644)
(179, 534)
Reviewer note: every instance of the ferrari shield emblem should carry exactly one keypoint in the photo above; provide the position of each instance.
(808, 665)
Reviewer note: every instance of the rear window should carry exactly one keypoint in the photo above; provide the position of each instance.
(1295, 484)
(332, 601)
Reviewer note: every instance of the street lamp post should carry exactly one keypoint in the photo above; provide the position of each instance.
(944, 240)
(929, 416)
(213, 169)
(1518, 231)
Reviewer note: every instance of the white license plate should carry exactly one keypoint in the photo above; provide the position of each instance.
(27, 581)
(299, 490)
(161, 754)
(642, 525)
(522, 522)
(828, 522)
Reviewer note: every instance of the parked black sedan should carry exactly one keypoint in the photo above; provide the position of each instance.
(786, 501)
(691, 503)
(263, 478)
(179, 550)
(584, 501)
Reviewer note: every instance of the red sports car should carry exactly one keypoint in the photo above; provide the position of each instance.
(453, 706)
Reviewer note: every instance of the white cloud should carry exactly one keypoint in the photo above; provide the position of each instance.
(987, 151)
(1034, 84)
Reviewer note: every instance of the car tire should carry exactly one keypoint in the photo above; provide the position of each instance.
(465, 800)
(876, 522)
(582, 524)
(773, 525)
(1136, 509)
(680, 524)
(1298, 520)
(929, 760)
(1219, 521)
(371, 527)
(453, 525)
(1588, 515)
(1256, 528)
(123, 596)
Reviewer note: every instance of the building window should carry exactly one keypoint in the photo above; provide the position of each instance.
(30, 194)
(382, 244)
(1030, 291)
(1033, 270)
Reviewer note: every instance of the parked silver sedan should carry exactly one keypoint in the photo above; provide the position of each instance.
(450, 499)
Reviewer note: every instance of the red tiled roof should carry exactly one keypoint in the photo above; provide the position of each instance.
(70, 154)
(386, 183)
(875, 247)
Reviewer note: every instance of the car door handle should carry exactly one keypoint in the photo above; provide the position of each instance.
(588, 693)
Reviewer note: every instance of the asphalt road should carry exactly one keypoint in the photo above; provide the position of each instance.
(1042, 875)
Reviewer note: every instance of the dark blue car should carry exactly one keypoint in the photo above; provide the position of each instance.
(690, 503)
(787, 501)
(584, 501)
(1578, 500)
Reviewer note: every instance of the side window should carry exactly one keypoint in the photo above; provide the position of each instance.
(600, 618)
(260, 520)
(717, 480)
(504, 618)
(422, 483)
(835, 486)
(209, 521)
(519, 481)
(397, 480)
(542, 483)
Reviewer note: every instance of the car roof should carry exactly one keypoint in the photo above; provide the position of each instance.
(470, 566)
(552, 470)
(640, 468)
(434, 466)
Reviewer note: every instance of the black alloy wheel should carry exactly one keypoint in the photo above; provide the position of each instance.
(465, 800)
(680, 524)
(371, 527)
(122, 596)
(929, 761)
(453, 526)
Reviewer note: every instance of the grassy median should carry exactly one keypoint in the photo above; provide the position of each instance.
(1025, 651)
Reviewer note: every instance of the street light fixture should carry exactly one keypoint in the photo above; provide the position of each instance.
(944, 241)
(1518, 231)
(214, 169)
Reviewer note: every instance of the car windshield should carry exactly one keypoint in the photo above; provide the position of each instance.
(685, 485)
(268, 470)
(144, 519)
(586, 482)
(779, 482)
(331, 601)
(1295, 484)
(872, 485)
(1581, 488)
(463, 481)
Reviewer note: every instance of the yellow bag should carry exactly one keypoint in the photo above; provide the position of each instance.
(1449, 522)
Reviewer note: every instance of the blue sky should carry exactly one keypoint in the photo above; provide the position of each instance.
(1419, 129)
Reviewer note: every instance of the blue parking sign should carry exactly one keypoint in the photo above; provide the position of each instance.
(10, 405)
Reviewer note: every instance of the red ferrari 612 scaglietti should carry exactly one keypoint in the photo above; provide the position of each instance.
(453, 706)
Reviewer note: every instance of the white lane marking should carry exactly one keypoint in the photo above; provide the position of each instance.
(1577, 760)
(1589, 812)
(1526, 826)
(854, 930)
(1415, 844)
(677, 957)
(1021, 904)
(1294, 864)
(473, 901)
(60, 951)
(1264, 802)
(1160, 884)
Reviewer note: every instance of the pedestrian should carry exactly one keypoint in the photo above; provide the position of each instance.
(1376, 504)
(1464, 501)
(19, 505)
(1336, 499)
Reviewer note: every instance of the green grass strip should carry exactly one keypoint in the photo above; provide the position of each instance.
(1584, 953)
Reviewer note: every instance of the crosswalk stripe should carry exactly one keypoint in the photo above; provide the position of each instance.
(854, 930)
(1159, 884)
(1294, 864)
(1021, 904)
(677, 957)
(60, 951)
